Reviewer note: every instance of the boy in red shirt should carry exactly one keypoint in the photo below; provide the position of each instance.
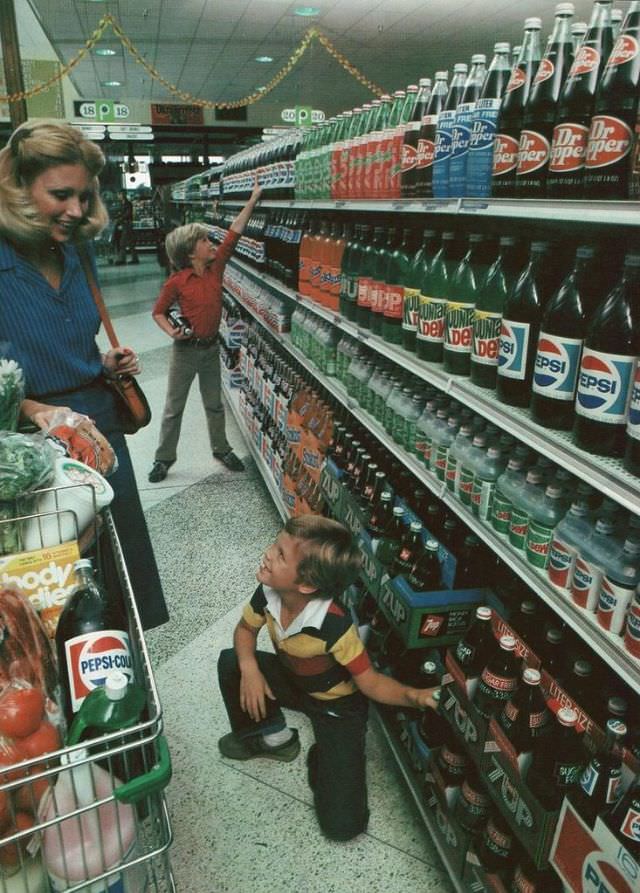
(320, 667)
(196, 289)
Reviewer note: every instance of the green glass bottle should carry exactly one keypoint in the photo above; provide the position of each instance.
(417, 272)
(433, 299)
(467, 278)
(397, 275)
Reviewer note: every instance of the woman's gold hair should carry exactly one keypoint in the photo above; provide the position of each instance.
(33, 148)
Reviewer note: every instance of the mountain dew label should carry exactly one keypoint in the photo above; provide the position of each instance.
(538, 543)
(466, 485)
(458, 326)
(410, 309)
(518, 528)
(501, 514)
(485, 338)
(431, 319)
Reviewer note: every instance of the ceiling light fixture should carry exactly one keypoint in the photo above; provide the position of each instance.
(307, 11)
(264, 58)
(111, 83)
(105, 51)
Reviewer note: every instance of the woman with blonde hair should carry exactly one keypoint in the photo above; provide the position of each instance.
(50, 209)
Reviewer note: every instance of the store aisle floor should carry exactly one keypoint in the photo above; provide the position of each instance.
(239, 827)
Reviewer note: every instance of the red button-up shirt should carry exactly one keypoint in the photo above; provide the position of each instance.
(199, 297)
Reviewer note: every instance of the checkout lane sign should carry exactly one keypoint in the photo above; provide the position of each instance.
(100, 110)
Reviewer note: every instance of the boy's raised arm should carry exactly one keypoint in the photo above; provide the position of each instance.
(239, 224)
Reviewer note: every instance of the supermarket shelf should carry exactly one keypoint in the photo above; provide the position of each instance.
(607, 475)
(607, 646)
(232, 403)
(609, 213)
(405, 769)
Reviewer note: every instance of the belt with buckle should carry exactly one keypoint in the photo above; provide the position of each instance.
(201, 342)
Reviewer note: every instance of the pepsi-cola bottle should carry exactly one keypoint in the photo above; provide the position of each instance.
(519, 329)
(571, 131)
(599, 789)
(607, 168)
(624, 819)
(607, 366)
(557, 360)
(479, 162)
(514, 101)
(539, 116)
(91, 638)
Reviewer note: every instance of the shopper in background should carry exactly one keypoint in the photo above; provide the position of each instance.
(124, 237)
(196, 290)
(50, 209)
(320, 667)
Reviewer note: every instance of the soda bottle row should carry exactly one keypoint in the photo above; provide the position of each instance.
(272, 162)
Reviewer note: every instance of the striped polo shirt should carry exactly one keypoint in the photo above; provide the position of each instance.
(50, 333)
(321, 647)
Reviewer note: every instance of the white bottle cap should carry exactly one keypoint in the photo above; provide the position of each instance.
(442, 75)
(116, 685)
(502, 47)
(460, 68)
(533, 23)
(478, 59)
(563, 9)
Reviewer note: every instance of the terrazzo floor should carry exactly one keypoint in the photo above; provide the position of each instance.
(238, 827)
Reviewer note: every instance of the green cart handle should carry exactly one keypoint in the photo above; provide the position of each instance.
(151, 782)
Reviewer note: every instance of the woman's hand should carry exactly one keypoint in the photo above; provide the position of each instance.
(254, 690)
(121, 361)
(41, 414)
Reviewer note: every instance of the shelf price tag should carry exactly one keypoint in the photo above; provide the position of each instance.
(340, 204)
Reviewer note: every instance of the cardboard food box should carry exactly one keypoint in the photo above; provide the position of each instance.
(45, 577)
(469, 726)
(592, 861)
(332, 489)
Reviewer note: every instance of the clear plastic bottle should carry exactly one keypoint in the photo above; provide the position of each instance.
(595, 554)
(525, 500)
(441, 443)
(487, 471)
(622, 575)
(544, 517)
(467, 467)
(423, 427)
(570, 533)
(463, 440)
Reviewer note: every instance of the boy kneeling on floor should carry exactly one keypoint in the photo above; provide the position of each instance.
(320, 667)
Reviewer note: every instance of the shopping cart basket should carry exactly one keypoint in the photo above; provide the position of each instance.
(127, 772)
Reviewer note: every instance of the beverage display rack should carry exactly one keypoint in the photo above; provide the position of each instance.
(582, 622)
(602, 213)
(607, 475)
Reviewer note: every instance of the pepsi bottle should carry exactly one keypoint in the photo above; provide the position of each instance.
(607, 366)
(539, 116)
(91, 638)
(571, 131)
(557, 361)
(519, 329)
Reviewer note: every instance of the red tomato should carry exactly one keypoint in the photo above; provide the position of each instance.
(10, 852)
(9, 755)
(45, 739)
(29, 795)
(21, 710)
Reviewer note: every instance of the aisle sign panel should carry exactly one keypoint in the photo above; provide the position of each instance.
(100, 110)
(302, 116)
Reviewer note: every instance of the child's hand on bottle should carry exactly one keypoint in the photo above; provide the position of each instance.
(422, 698)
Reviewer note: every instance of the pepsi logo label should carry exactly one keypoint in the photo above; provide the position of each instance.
(517, 79)
(556, 366)
(505, 154)
(533, 152)
(600, 876)
(604, 386)
(631, 824)
(609, 141)
(544, 72)
(513, 349)
(587, 58)
(625, 49)
(568, 148)
(90, 658)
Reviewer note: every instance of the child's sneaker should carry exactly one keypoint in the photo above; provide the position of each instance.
(235, 748)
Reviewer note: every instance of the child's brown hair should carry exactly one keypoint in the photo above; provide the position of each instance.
(330, 559)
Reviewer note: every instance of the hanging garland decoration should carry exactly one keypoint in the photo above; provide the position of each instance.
(108, 20)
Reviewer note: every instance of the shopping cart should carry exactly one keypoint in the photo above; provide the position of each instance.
(121, 831)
